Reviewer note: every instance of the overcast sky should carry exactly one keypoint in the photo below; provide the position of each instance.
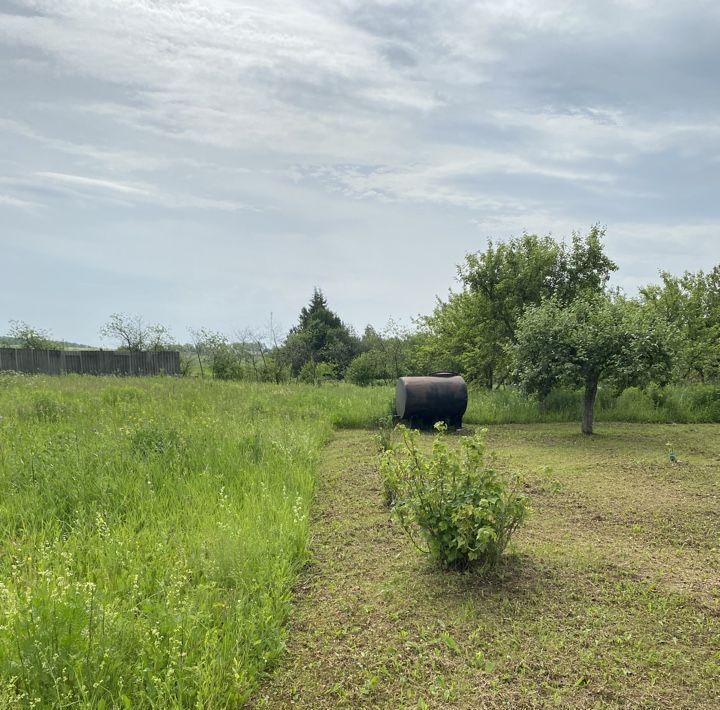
(208, 162)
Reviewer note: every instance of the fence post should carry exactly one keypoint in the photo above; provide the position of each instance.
(17, 367)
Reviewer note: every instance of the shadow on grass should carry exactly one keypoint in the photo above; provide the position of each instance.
(517, 575)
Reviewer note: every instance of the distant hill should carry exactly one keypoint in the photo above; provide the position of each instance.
(8, 342)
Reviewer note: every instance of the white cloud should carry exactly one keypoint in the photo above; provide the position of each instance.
(11, 201)
(315, 126)
(88, 182)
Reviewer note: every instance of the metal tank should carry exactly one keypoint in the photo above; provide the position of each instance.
(422, 401)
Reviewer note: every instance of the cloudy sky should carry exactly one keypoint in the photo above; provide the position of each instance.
(207, 162)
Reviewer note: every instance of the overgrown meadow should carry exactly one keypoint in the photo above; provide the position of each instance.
(150, 531)
(685, 403)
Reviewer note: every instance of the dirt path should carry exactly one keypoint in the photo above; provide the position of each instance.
(564, 623)
(343, 610)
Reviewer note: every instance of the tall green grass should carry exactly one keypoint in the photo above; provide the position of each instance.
(150, 531)
(675, 403)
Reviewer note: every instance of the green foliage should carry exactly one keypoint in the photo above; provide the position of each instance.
(132, 333)
(226, 363)
(367, 368)
(589, 339)
(389, 354)
(247, 358)
(670, 452)
(691, 305)
(315, 373)
(471, 333)
(320, 337)
(386, 430)
(26, 336)
(464, 510)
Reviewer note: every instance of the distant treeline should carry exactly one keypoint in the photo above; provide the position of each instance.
(532, 312)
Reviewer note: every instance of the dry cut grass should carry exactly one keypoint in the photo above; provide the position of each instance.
(609, 597)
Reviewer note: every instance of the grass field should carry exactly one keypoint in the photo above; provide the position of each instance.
(151, 532)
(695, 403)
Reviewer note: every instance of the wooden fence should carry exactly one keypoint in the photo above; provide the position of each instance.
(90, 362)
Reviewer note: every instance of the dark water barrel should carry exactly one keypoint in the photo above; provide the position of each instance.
(443, 396)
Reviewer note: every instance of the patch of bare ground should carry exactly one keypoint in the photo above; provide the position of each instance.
(609, 597)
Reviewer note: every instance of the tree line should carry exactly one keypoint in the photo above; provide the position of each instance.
(539, 313)
(533, 312)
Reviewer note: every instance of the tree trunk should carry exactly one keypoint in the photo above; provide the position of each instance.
(542, 403)
(589, 406)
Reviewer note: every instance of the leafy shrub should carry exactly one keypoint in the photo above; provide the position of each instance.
(226, 365)
(463, 510)
(658, 394)
(704, 401)
(314, 373)
(367, 368)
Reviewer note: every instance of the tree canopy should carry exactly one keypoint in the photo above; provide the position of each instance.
(473, 331)
(27, 336)
(132, 333)
(691, 305)
(320, 337)
(593, 338)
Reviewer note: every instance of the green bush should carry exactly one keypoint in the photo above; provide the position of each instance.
(367, 368)
(460, 507)
(314, 373)
(226, 365)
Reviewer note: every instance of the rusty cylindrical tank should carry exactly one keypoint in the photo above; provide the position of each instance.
(422, 401)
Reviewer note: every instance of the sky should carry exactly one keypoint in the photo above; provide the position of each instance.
(207, 163)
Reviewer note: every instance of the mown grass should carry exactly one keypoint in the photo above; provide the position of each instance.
(609, 597)
(150, 532)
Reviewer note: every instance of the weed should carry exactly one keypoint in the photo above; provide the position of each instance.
(45, 408)
(116, 395)
(154, 440)
(385, 435)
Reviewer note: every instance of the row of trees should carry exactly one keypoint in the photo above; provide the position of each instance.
(531, 311)
(539, 313)
(319, 347)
